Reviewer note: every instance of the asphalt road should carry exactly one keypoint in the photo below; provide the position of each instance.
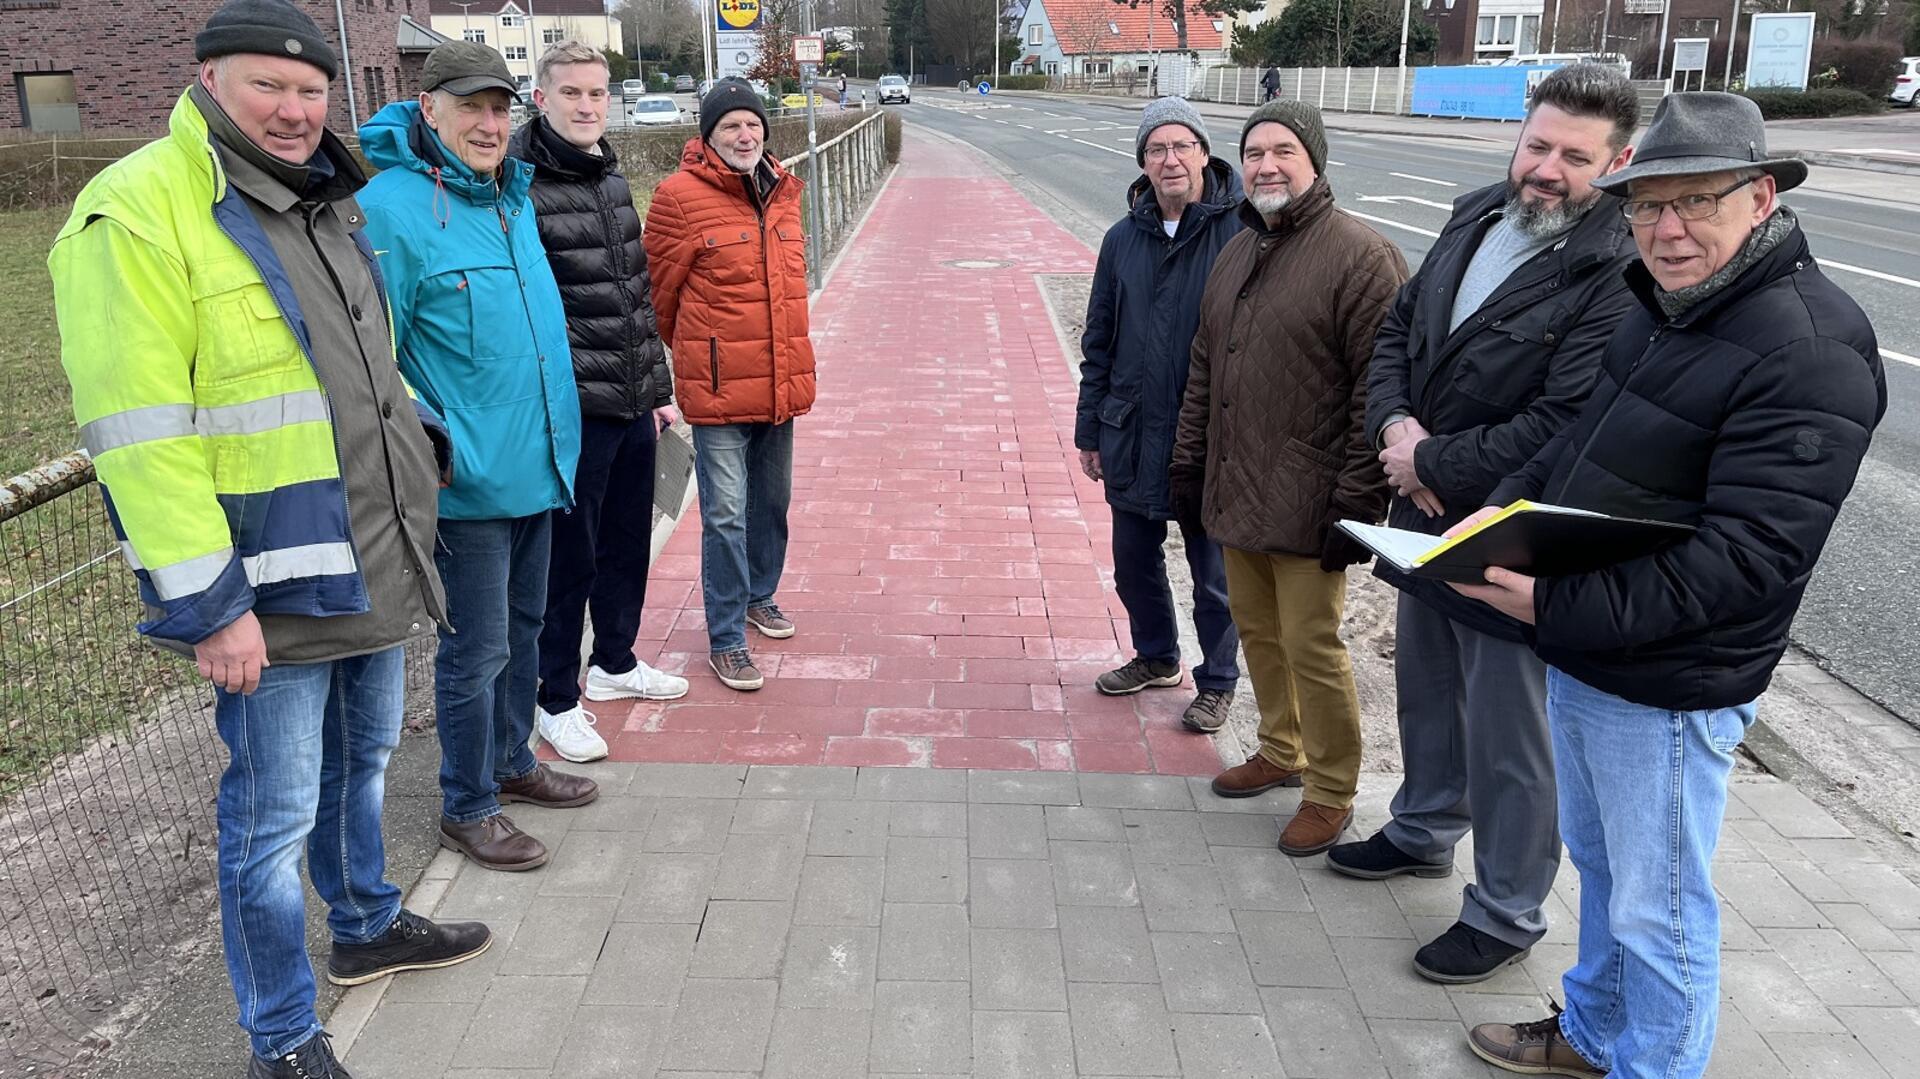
(1075, 159)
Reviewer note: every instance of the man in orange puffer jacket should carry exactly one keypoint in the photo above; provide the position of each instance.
(729, 270)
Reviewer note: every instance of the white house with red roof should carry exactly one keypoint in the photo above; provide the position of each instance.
(1101, 37)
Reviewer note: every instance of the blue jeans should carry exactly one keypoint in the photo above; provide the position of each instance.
(1642, 792)
(745, 475)
(307, 762)
(1140, 576)
(488, 668)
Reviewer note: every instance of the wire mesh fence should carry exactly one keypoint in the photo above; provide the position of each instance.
(108, 766)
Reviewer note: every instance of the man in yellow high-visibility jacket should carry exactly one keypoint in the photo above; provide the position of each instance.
(224, 327)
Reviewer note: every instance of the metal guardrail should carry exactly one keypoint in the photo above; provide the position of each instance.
(108, 767)
(850, 166)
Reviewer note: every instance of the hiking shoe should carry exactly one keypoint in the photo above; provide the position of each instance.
(768, 619)
(410, 943)
(643, 682)
(1313, 829)
(1208, 712)
(736, 670)
(1257, 776)
(1138, 674)
(1531, 1049)
(571, 734)
(312, 1059)
(1376, 858)
(1463, 955)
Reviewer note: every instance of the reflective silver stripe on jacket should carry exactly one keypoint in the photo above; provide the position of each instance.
(136, 425)
(155, 422)
(312, 560)
(189, 578)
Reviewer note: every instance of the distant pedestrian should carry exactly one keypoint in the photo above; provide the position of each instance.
(273, 488)
(1489, 353)
(729, 266)
(1272, 450)
(601, 547)
(1738, 397)
(1141, 319)
(483, 336)
(1270, 84)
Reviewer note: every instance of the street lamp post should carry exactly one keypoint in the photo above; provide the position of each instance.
(1406, 24)
(993, 29)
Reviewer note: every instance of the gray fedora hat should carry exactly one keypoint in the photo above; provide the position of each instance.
(1703, 132)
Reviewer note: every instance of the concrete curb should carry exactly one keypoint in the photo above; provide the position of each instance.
(1855, 161)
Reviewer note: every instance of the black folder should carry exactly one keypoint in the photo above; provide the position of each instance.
(1526, 537)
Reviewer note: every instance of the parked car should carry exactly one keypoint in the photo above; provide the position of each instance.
(683, 84)
(632, 88)
(895, 88)
(654, 109)
(1906, 85)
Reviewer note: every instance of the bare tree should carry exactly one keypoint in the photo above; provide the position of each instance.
(661, 27)
(1085, 28)
(962, 30)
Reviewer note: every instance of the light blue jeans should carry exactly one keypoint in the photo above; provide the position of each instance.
(1642, 793)
(307, 765)
(745, 476)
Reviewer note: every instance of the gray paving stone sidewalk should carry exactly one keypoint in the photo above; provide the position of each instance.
(727, 921)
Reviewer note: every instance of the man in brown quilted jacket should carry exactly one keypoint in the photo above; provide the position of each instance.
(1272, 450)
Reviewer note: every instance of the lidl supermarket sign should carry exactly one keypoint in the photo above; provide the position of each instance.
(737, 14)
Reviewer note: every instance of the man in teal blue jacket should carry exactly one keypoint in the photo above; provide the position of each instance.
(482, 337)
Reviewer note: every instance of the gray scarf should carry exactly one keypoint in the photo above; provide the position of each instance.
(1765, 238)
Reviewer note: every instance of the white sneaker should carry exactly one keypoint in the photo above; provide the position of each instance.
(643, 682)
(571, 734)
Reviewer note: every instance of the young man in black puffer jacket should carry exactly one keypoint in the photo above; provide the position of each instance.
(591, 231)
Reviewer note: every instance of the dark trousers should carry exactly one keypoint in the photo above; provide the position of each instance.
(1140, 576)
(600, 556)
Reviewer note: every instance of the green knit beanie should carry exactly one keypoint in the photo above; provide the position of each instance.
(1300, 118)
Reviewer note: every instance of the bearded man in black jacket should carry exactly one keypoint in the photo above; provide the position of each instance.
(1738, 397)
(591, 231)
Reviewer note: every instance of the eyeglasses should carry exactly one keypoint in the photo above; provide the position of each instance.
(1177, 149)
(1697, 207)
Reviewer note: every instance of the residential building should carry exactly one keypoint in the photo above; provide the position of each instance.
(1101, 38)
(521, 30)
(99, 66)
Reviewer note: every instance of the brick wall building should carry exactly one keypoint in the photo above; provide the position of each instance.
(116, 66)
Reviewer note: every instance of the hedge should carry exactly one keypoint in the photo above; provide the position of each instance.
(1809, 104)
(1023, 82)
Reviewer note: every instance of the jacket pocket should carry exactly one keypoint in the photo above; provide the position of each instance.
(1119, 442)
(713, 363)
(793, 251)
(241, 336)
(727, 255)
(1314, 454)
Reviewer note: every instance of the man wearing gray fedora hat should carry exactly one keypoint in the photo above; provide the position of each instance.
(1738, 397)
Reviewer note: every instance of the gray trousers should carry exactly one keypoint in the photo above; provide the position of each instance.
(1474, 742)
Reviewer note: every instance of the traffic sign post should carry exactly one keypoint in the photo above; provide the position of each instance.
(810, 49)
(803, 47)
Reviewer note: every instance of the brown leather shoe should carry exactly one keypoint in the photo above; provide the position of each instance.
(550, 789)
(1531, 1049)
(1257, 776)
(1313, 829)
(494, 843)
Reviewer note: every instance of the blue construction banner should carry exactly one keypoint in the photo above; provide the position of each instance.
(1481, 93)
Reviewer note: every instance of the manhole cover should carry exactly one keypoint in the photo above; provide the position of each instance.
(978, 264)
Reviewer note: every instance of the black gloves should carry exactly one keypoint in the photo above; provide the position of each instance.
(1341, 551)
(1187, 492)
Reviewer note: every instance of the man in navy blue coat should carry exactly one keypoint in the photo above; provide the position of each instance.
(1140, 325)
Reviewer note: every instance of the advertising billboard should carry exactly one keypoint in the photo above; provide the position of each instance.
(736, 15)
(1485, 93)
(1780, 50)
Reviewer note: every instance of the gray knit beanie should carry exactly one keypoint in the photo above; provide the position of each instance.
(1162, 111)
(267, 27)
(1300, 118)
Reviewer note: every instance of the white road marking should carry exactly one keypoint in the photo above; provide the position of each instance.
(1395, 224)
(1423, 179)
(1889, 354)
(1407, 198)
(1875, 274)
(1331, 161)
(1876, 150)
(1096, 145)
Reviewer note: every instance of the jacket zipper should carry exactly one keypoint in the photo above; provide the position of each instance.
(533, 333)
(713, 362)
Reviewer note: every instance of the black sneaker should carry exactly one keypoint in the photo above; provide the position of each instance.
(1208, 712)
(1376, 858)
(1464, 954)
(1138, 674)
(410, 943)
(311, 1060)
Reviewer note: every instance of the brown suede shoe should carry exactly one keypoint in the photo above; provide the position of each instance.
(550, 789)
(1257, 776)
(1313, 829)
(494, 843)
(1530, 1049)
